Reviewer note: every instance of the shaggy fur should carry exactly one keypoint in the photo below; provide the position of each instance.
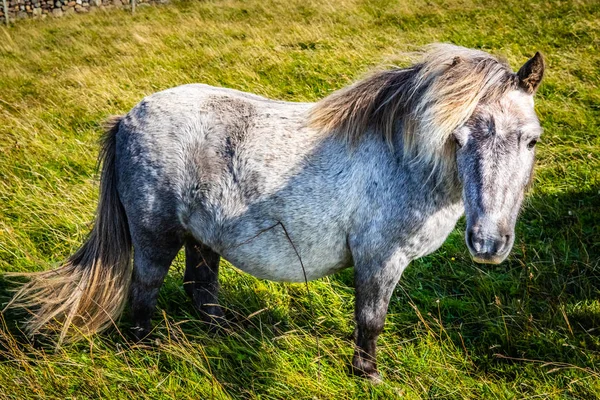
(426, 101)
(274, 188)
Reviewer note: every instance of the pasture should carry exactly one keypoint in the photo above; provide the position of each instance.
(528, 328)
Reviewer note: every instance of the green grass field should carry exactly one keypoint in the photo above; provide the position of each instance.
(529, 328)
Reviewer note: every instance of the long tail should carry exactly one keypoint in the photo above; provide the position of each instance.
(88, 292)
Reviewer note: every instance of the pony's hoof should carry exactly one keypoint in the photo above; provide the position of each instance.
(138, 333)
(366, 370)
(374, 378)
(216, 321)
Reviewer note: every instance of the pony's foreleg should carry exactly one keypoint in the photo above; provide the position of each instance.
(201, 280)
(374, 285)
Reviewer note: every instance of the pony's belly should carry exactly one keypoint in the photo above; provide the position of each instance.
(282, 269)
(278, 256)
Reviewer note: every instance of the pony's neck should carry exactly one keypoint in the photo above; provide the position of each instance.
(444, 186)
(441, 179)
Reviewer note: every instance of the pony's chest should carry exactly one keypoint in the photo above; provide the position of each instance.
(433, 231)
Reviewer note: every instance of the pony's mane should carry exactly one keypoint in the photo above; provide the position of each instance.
(426, 101)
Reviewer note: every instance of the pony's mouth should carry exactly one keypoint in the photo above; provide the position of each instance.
(485, 259)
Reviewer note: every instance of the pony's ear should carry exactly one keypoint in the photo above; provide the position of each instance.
(531, 74)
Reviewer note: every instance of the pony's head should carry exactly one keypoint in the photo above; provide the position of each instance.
(456, 111)
(494, 157)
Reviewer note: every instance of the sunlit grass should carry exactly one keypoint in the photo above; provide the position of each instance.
(529, 327)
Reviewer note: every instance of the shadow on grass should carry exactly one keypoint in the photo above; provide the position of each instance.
(543, 304)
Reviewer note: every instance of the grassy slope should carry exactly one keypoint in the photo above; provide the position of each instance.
(449, 319)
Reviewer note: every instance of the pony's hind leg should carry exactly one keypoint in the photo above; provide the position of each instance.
(152, 257)
(201, 280)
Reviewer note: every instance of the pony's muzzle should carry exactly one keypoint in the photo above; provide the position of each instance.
(488, 247)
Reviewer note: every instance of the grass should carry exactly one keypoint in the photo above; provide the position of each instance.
(528, 328)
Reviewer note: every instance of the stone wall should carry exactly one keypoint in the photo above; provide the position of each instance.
(18, 9)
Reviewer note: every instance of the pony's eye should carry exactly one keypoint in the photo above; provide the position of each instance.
(458, 144)
(531, 144)
(459, 138)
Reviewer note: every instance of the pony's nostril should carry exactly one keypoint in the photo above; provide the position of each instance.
(502, 243)
(487, 244)
(475, 241)
(469, 238)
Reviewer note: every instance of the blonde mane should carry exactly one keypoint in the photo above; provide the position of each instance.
(426, 101)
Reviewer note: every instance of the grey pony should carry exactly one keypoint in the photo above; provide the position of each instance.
(373, 176)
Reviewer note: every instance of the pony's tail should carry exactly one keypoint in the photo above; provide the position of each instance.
(88, 292)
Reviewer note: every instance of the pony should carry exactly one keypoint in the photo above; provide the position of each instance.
(373, 176)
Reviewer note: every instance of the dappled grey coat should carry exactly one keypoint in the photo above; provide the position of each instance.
(374, 176)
